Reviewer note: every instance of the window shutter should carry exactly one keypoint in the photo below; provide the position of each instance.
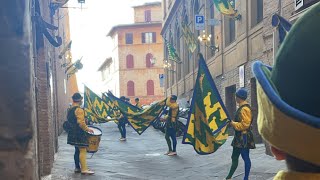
(130, 63)
(150, 87)
(154, 37)
(130, 88)
(143, 37)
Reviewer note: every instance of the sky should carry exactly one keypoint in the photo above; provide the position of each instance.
(88, 29)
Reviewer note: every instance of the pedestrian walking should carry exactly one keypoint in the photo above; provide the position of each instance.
(171, 125)
(77, 134)
(289, 96)
(122, 124)
(243, 138)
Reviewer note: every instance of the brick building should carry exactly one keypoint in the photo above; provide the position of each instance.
(137, 54)
(240, 42)
(35, 92)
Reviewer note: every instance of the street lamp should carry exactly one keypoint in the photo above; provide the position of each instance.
(204, 37)
(167, 66)
(153, 60)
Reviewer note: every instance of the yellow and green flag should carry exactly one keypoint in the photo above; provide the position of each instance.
(112, 110)
(96, 109)
(207, 122)
(139, 119)
(189, 38)
(226, 8)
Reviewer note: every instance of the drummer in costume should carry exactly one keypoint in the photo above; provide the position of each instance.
(289, 100)
(243, 138)
(77, 135)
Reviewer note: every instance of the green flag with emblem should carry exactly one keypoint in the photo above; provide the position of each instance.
(189, 38)
(172, 54)
(139, 119)
(96, 109)
(226, 8)
(207, 122)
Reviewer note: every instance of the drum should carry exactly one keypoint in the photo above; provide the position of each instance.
(94, 139)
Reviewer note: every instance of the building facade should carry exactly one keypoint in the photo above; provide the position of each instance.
(136, 63)
(35, 92)
(237, 43)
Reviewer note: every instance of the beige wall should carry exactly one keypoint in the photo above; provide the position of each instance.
(156, 13)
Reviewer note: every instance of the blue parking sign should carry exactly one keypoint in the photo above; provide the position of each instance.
(199, 22)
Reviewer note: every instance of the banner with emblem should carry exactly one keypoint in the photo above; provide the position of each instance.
(207, 122)
(226, 8)
(189, 38)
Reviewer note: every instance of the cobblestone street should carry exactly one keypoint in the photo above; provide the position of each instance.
(141, 157)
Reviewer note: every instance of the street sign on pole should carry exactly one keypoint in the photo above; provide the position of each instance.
(161, 78)
(199, 22)
(214, 22)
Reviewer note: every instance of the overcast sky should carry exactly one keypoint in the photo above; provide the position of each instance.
(89, 28)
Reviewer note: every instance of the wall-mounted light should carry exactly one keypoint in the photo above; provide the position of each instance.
(167, 66)
(214, 47)
(65, 49)
(153, 60)
(204, 37)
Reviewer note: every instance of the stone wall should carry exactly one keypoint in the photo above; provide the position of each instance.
(18, 124)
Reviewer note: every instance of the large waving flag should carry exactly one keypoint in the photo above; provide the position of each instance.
(226, 8)
(96, 109)
(113, 110)
(283, 26)
(172, 54)
(139, 119)
(207, 122)
(189, 38)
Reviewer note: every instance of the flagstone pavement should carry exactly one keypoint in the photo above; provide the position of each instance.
(141, 158)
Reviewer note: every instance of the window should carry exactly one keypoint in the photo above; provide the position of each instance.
(147, 15)
(130, 88)
(256, 12)
(148, 62)
(129, 60)
(230, 30)
(129, 38)
(212, 41)
(149, 37)
(179, 67)
(150, 87)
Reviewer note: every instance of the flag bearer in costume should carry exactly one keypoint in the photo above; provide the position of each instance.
(289, 100)
(122, 123)
(243, 138)
(171, 125)
(77, 135)
(137, 101)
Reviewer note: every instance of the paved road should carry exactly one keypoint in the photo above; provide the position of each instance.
(141, 158)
